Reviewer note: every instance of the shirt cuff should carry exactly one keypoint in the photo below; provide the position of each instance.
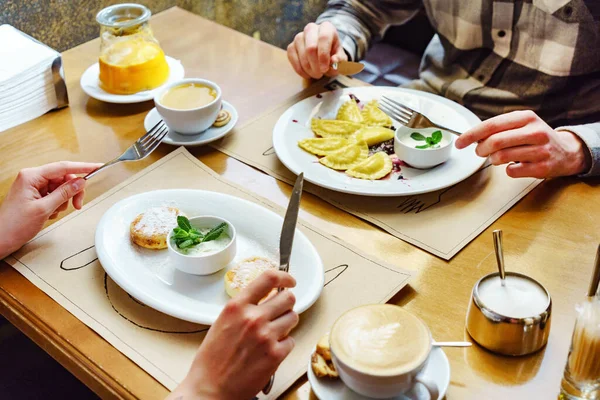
(349, 46)
(591, 138)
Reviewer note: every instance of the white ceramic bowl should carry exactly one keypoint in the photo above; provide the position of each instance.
(193, 120)
(422, 158)
(204, 264)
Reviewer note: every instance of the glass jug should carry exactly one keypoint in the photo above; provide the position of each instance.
(131, 59)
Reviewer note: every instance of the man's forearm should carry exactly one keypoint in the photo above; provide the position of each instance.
(360, 22)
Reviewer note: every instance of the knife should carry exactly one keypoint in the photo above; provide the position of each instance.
(289, 225)
(286, 240)
(348, 67)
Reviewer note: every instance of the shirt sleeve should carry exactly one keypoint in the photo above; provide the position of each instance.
(590, 135)
(360, 22)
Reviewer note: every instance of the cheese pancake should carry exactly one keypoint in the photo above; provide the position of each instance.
(239, 277)
(150, 228)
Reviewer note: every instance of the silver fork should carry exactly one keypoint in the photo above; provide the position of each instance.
(140, 149)
(407, 116)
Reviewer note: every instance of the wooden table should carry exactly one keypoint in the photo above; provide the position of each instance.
(550, 235)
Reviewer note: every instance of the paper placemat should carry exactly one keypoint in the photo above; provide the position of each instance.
(62, 262)
(441, 222)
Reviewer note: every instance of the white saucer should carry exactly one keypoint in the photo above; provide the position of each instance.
(91, 85)
(209, 135)
(438, 370)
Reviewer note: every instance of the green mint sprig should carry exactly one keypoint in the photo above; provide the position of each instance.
(430, 141)
(186, 236)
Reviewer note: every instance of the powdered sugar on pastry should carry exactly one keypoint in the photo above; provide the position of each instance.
(240, 276)
(150, 228)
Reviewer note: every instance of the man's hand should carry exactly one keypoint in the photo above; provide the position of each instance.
(39, 194)
(314, 50)
(245, 345)
(529, 146)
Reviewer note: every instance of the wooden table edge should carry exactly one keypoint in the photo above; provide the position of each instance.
(60, 349)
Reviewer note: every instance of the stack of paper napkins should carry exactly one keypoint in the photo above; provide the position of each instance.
(31, 78)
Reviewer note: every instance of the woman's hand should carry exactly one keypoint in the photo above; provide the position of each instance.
(314, 50)
(529, 146)
(245, 345)
(39, 194)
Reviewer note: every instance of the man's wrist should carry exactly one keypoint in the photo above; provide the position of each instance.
(580, 159)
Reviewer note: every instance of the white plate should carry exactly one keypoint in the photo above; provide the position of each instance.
(209, 135)
(90, 84)
(150, 277)
(437, 370)
(294, 125)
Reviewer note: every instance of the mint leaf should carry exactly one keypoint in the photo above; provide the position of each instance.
(430, 141)
(417, 136)
(215, 232)
(181, 235)
(185, 244)
(196, 232)
(177, 230)
(194, 237)
(425, 146)
(437, 136)
(184, 223)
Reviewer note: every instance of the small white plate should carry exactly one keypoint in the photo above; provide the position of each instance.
(90, 84)
(150, 276)
(294, 125)
(437, 369)
(209, 135)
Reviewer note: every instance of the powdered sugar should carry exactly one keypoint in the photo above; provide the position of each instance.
(157, 221)
(249, 269)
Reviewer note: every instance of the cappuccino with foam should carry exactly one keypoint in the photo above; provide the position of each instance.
(380, 340)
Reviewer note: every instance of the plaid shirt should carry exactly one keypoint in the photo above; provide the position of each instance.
(496, 56)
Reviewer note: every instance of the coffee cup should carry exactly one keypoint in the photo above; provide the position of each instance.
(381, 350)
(189, 119)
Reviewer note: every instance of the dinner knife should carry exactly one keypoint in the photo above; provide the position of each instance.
(348, 67)
(286, 240)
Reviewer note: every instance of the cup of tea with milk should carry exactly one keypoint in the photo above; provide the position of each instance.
(189, 106)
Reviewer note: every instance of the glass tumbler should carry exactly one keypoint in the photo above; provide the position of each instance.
(581, 378)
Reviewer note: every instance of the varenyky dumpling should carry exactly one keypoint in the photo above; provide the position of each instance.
(374, 135)
(323, 146)
(349, 111)
(333, 127)
(373, 116)
(375, 167)
(346, 157)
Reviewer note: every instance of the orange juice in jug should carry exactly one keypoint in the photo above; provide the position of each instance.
(131, 59)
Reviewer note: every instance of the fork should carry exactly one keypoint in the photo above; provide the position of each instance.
(409, 117)
(140, 149)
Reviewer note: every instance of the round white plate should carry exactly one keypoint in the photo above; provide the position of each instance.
(294, 125)
(209, 135)
(150, 277)
(437, 370)
(91, 85)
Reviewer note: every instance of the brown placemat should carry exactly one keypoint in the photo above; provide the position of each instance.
(441, 222)
(62, 262)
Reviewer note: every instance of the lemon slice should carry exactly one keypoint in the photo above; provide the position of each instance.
(131, 66)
